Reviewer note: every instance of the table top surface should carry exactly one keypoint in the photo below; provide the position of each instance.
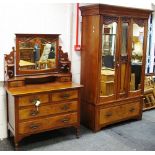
(39, 88)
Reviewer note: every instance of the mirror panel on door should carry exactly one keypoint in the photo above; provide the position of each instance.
(136, 57)
(108, 59)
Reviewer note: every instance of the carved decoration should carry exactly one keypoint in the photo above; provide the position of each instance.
(124, 59)
(109, 19)
(9, 58)
(126, 19)
(9, 64)
(139, 21)
(64, 63)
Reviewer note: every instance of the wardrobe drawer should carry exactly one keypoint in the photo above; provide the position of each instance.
(47, 110)
(30, 99)
(119, 112)
(132, 109)
(109, 114)
(65, 95)
(47, 123)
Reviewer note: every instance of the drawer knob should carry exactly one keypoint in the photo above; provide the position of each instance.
(65, 96)
(36, 101)
(34, 113)
(109, 114)
(65, 107)
(34, 126)
(65, 120)
(132, 110)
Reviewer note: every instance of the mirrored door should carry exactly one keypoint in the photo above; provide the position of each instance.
(136, 56)
(108, 72)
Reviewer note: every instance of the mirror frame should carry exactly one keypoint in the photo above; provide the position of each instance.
(50, 37)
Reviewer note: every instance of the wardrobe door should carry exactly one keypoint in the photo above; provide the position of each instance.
(108, 58)
(137, 63)
(123, 53)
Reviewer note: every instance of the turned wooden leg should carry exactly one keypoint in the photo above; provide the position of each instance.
(9, 134)
(77, 132)
(16, 144)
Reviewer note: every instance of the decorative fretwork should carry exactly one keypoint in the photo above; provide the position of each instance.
(109, 19)
(139, 21)
(124, 59)
(29, 42)
(64, 63)
(9, 64)
(126, 19)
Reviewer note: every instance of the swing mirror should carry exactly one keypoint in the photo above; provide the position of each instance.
(36, 53)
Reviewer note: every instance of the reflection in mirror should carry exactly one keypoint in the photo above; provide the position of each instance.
(37, 53)
(108, 58)
(136, 57)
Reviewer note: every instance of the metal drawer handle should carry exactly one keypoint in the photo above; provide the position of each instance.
(65, 96)
(34, 126)
(65, 120)
(132, 110)
(34, 113)
(65, 107)
(65, 79)
(109, 114)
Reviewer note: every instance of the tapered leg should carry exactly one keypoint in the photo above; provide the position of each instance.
(16, 144)
(9, 134)
(77, 132)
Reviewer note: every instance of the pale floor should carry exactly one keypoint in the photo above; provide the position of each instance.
(130, 135)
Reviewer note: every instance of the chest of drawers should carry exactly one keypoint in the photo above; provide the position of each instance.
(59, 107)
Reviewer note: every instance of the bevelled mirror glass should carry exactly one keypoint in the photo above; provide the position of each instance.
(108, 58)
(36, 53)
(136, 57)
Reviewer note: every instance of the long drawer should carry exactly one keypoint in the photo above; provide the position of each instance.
(49, 109)
(65, 95)
(117, 113)
(30, 99)
(47, 123)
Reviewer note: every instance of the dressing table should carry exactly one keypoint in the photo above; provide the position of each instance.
(40, 93)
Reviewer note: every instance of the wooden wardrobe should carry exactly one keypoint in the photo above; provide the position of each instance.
(114, 43)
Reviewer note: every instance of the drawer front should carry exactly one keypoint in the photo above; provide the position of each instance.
(132, 109)
(30, 100)
(65, 79)
(47, 110)
(109, 115)
(118, 112)
(47, 123)
(65, 95)
(16, 84)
